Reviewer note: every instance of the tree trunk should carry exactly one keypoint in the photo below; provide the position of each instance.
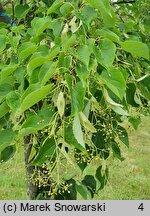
(32, 190)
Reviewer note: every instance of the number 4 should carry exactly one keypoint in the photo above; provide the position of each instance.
(141, 207)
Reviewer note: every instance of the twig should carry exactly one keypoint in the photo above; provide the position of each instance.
(13, 10)
(124, 2)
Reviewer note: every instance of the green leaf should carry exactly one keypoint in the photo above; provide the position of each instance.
(34, 97)
(56, 25)
(144, 86)
(2, 42)
(100, 5)
(46, 152)
(90, 182)
(15, 42)
(119, 110)
(3, 31)
(83, 54)
(110, 100)
(85, 11)
(116, 150)
(68, 42)
(5, 88)
(77, 97)
(36, 62)
(4, 108)
(34, 79)
(61, 104)
(87, 108)
(7, 136)
(30, 89)
(7, 153)
(130, 94)
(105, 54)
(21, 11)
(26, 49)
(54, 52)
(105, 10)
(70, 139)
(92, 166)
(39, 24)
(8, 70)
(146, 83)
(101, 178)
(68, 79)
(37, 121)
(66, 8)
(82, 192)
(106, 33)
(115, 81)
(123, 135)
(82, 72)
(47, 71)
(135, 122)
(13, 100)
(67, 62)
(136, 48)
(86, 123)
(77, 130)
(72, 195)
(80, 163)
(55, 6)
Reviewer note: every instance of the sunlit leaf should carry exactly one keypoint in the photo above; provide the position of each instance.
(54, 6)
(114, 79)
(77, 97)
(13, 100)
(2, 42)
(39, 24)
(46, 71)
(37, 121)
(105, 53)
(26, 50)
(36, 62)
(86, 123)
(83, 54)
(77, 130)
(35, 97)
(136, 48)
(61, 104)
(4, 108)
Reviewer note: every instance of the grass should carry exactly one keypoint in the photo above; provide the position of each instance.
(12, 178)
(129, 179)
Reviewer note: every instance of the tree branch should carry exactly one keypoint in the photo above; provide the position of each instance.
(13, 10)
(124, 2)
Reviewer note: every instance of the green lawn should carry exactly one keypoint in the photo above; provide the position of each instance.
(12, 178)
(129, 179)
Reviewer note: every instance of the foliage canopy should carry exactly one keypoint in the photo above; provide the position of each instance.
(71, 72)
